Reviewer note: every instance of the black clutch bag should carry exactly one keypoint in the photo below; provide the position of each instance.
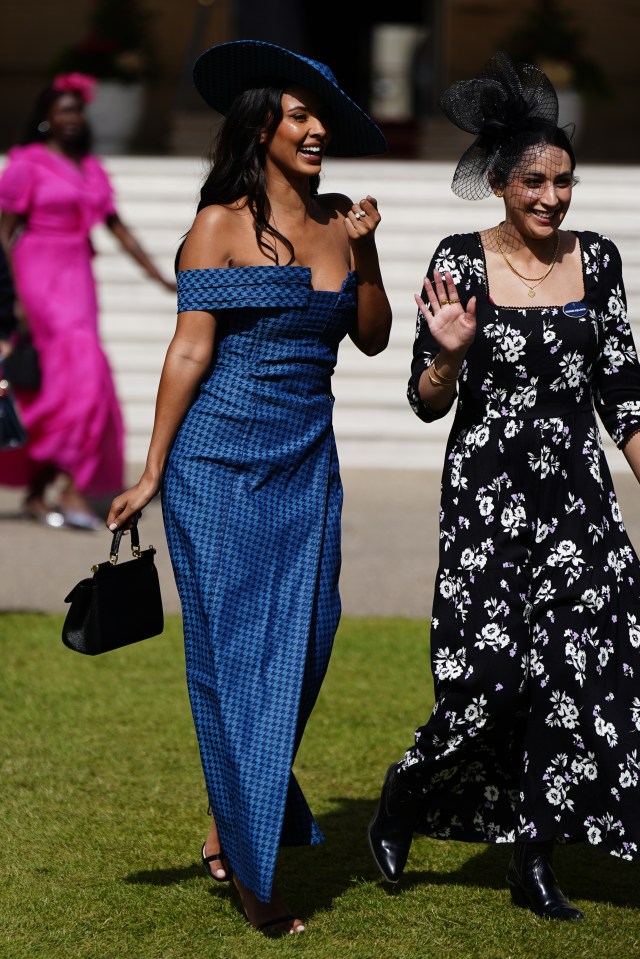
(22, 365)
(118, 606)
(12, 431)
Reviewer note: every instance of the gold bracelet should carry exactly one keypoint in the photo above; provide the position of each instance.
(441, 378)
(438, 382)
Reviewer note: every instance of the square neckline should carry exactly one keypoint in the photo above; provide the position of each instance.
(551, 306)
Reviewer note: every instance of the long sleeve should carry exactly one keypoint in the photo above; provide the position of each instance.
(616, 381)
(452, 255)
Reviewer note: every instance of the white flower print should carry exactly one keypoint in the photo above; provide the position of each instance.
(576, 656)
(524, 397)
(546, 463)
(594, 835)
(509, 343)
(449, 665)
(493, 636)
(605, 729)
(512, 428)
(514, 517)
(475, 712)
(566, 554)
(475, 558)
(447, 263)
(634, 630)
(564, 711)
(592, 600)
(545, 529)
(545, 592)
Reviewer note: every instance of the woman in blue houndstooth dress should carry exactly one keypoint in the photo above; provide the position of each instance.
(271, 277)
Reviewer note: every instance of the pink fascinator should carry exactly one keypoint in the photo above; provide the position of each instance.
(80, 83)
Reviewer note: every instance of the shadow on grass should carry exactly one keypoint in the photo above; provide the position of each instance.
(585, 873)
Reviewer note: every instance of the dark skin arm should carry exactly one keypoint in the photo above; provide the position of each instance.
(373, 325)
(131, 246)
(188, 357)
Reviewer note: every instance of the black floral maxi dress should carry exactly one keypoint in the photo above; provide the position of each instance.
(535, 638)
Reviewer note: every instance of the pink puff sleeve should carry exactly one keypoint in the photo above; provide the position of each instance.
(16, 183)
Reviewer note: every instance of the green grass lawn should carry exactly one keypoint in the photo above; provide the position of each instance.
(104, 815)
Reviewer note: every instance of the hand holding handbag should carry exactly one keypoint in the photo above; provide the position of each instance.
(118, 606)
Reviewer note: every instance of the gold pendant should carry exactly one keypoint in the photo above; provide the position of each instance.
(532, 292)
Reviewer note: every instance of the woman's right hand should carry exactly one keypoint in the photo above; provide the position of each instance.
(126, 508)
(453, 327)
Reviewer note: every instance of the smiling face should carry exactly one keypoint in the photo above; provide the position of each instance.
(302, 136)
(66, 118)
(538, 192)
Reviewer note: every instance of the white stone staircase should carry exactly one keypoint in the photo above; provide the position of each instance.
(374, 425)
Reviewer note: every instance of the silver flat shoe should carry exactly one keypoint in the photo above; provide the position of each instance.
(52, 518)
(78, 519)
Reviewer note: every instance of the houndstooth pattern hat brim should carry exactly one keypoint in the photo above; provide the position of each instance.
(224, 71)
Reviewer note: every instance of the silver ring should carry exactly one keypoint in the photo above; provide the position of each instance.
(359, 214)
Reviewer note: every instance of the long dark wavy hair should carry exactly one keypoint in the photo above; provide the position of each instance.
(45, 100)
(238, 160)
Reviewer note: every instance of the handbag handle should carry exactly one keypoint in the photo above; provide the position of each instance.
(115, 544)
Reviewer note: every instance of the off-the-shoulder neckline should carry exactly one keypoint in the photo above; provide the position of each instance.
(306, 269)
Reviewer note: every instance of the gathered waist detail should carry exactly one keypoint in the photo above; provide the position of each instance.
(523, 404)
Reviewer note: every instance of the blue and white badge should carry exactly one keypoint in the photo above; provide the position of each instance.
(575, 309)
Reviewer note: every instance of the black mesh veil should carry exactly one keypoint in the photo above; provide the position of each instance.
(510, 107)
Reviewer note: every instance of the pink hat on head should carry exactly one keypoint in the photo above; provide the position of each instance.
(80, 83)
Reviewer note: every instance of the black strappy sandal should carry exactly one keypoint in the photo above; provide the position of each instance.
(216, 857)
(269, 928)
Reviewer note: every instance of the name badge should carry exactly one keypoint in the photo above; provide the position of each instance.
(574, 309)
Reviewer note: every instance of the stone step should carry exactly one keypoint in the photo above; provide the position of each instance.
(375, 427)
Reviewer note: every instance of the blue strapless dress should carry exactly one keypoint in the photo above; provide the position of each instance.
(251, 502)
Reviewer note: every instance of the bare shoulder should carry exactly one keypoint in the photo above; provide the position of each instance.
(213, 237)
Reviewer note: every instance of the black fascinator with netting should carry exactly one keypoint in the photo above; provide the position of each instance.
(510, 107)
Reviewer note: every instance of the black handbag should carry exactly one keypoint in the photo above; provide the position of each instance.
(22, 366)
(12, 431)
(118, 606)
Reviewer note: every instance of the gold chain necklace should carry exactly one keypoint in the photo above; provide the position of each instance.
(527, 280)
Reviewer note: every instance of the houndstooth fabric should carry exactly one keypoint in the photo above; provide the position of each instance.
(252, 501)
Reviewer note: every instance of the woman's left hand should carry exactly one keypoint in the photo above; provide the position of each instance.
(362, 220)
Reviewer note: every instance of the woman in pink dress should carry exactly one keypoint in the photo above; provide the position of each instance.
(52, 192)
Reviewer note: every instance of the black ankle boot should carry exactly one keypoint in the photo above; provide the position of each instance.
(533, 884)
(391, 829)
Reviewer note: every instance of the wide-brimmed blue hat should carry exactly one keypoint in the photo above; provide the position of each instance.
(223, 72)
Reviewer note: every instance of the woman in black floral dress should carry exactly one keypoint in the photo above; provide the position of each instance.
(535, 636)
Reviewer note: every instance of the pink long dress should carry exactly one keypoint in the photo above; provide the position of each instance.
(74, 421)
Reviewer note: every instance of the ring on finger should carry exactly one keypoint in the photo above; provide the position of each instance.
(454, 300)
(445, 302)
(359, 214)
